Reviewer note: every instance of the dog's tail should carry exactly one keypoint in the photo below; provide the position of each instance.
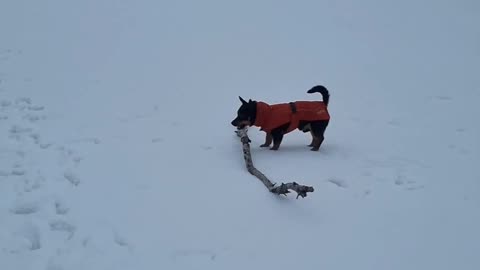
(322, 90)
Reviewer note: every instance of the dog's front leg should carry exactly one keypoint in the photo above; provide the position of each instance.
(268, 140)
(277, 136)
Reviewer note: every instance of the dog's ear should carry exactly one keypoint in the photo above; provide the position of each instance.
(250, 101)
(242, 100)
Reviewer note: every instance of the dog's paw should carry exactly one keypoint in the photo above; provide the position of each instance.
(314, 149)
(264, 145)
(275, 148)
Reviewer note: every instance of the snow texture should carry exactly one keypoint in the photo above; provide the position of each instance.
(116, 149)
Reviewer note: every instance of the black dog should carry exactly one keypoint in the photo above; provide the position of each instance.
(279, 119)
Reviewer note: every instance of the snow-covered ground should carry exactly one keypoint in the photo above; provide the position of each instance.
(116, 150)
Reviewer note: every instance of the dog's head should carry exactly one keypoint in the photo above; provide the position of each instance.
(246, 114)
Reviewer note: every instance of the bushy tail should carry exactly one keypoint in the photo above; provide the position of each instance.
(322, 90)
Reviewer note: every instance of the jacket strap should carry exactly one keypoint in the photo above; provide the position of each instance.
(293, 119)
(293, 107)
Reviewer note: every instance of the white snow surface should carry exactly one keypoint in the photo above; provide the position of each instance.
(116, 149)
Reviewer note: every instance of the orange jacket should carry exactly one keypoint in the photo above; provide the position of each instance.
(272, 116)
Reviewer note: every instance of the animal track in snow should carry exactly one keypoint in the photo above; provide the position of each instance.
(31, 184)
(18, 172)
(20, 154)
(17, 132)
(33, 117)
(6, 54)
(120, 240)
(399, 180)
(5, 103)
(62, 226)
(22, 165)
(77, 159)
(87, 140)
(15, 129)
(31, 234)
(198, 253)
(72, 178)
(442, 98)
(22, 103)
(34, 237)
(415, 187)
(23, 100)
(367, 173)
(68, 155)
(86, 241)
(61, 208)
(52, 265)
(35, 137)
(396, 162)
(35, 108)
(394, 122)
(408, 184)
(45, 145)
(157, 140)
(25, 209)
(338, 182)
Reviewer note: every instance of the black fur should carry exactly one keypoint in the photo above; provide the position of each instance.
(317, 128)
(248, 112)
(322, 90)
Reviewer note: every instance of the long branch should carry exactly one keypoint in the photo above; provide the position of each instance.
(282, 189)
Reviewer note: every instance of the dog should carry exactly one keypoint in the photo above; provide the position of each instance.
(276, 120)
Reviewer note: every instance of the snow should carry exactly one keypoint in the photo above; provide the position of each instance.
(116, 150)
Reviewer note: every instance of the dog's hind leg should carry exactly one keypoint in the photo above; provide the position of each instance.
(318, 131)
(276, 142)
(268, 140)
(313, 139)
(307, 127)
(316, 143)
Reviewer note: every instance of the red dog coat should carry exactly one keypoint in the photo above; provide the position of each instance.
(272, 116)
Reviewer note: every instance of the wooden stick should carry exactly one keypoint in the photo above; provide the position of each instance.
(283, 189)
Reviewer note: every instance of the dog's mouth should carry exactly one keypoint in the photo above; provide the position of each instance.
(240, 123)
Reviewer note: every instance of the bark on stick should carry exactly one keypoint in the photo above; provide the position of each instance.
(283, 188)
